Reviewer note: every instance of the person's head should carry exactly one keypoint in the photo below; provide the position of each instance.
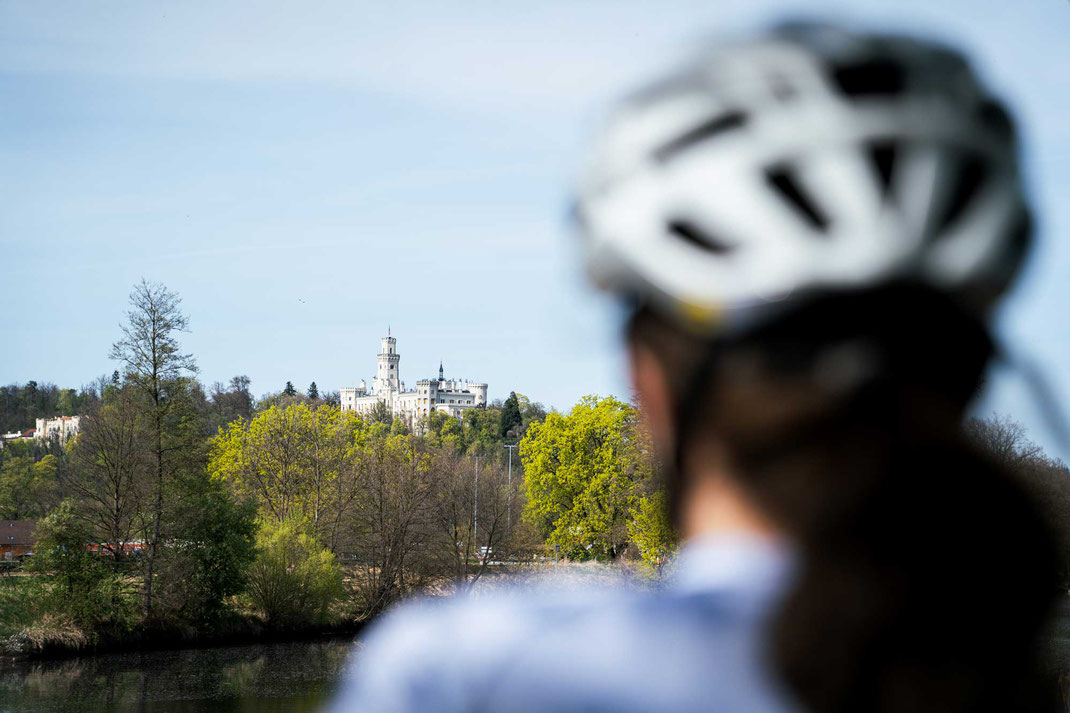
(810, 230)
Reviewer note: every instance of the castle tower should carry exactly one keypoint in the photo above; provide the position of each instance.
(387, 378)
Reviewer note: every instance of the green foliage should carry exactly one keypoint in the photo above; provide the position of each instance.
(530, 411)
(211, 546)
(289, 390)
(510, 418)
(583, 473)
(79, 584)
(26, 486)
(482, 431)
(444, 431)
(288, 460)
(293, 580)
(650, 529)
(313, 391)
(19, 600)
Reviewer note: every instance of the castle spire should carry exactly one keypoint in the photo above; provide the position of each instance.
(440, 376)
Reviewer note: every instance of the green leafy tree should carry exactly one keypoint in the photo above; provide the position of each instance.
(444, 431)
(292, 461)
(80, 586)
(294, 580)
(211, 545)
(510, 418)
(583, 473)
(650, 528)
(289, 390)
(313, 391)
(26, 486)
(529, 411)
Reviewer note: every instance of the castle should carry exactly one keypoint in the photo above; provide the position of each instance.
(451, 397)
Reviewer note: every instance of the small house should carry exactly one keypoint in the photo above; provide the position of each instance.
(16, 539)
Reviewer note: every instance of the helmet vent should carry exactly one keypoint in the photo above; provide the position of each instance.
(703, 132)
(970, 174)
(698, 237)
(782, 89)
(783, 180)
(875, 77)
(883, 155)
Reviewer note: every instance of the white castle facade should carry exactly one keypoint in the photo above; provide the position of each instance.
(442, 395)
(60, 428)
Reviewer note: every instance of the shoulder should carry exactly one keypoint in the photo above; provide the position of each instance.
(440, 653)
(458, 654)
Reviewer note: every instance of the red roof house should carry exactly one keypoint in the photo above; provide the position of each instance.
(16, 538)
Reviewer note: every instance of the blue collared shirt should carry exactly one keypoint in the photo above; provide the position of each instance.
(694, 645)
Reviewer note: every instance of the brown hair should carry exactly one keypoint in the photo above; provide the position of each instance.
(925, 572)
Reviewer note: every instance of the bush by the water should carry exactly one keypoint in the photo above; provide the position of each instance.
(293, 580)
(76, 589)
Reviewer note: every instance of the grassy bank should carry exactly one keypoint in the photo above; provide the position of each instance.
(28, 631)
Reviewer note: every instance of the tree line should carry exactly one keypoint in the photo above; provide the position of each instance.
(22, 404)
(181, 508)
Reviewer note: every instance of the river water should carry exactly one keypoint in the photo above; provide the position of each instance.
(292, 676)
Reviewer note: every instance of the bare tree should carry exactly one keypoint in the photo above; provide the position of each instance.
(154, 363)
(470, 520)
(388, 520)
(1047, 478)
(110, 467)
(1004, 439)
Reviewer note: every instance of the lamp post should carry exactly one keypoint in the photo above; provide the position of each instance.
(509, 510)
(475, 510)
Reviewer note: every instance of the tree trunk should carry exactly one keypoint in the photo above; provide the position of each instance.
(156, 514)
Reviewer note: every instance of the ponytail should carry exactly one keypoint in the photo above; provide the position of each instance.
(925, 573)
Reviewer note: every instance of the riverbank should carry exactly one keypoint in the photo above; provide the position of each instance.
(20, 647)
(29, 634)
(26, 635)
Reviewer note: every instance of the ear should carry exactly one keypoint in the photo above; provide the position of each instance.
(651, 384)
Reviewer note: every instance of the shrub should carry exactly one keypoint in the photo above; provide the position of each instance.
(651, 530)
(208, 554)
(78, 588)
(293, 580)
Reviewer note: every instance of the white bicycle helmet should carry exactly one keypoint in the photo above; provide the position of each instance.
(811, 158)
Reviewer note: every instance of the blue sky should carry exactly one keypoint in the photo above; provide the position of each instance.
(305, 174)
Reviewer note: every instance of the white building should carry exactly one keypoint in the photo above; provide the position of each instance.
(13, 436)
(443, 395)
(60, 428)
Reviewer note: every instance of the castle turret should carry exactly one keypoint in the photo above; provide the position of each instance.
(480, 391)
(387, 377)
